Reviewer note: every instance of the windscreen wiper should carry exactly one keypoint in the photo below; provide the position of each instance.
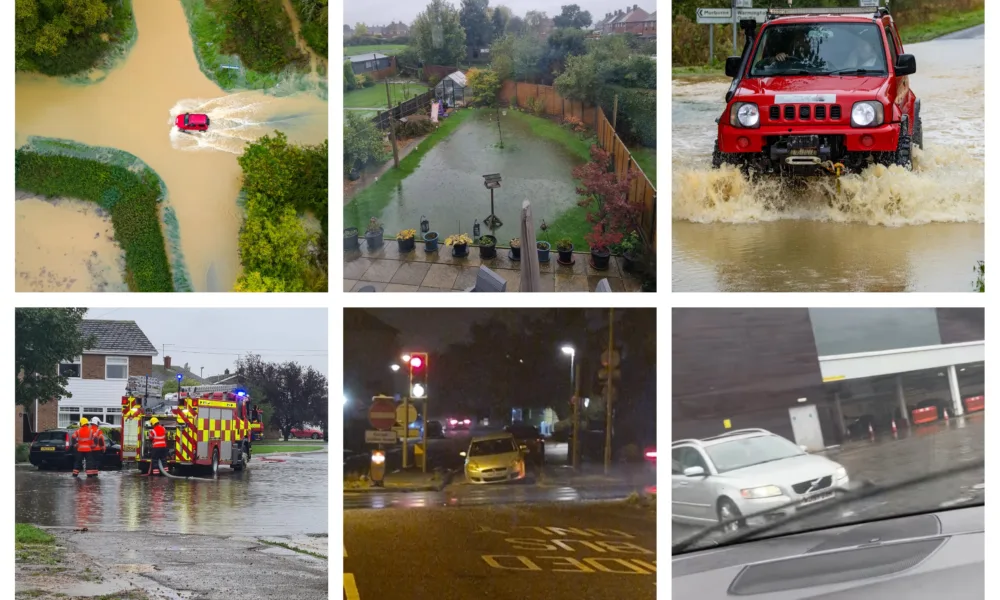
(867, 490)
(854, 72)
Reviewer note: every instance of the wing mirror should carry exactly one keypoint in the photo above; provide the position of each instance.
(906, 64)
(733, 66)
(694, 472)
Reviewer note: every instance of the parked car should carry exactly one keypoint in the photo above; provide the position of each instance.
(307, 432)
(529, 439)
(435, 429)
(192, 122)
(747, 471)
(51, 450)
(459, 424)
(493, 458)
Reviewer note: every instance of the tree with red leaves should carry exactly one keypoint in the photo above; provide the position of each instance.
(607, 197)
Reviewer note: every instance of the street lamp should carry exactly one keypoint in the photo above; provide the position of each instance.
(571, 351)
(394, 368)
(406, 358)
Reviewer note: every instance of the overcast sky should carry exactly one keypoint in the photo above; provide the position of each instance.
(382, 12)
(431, 328)
(214, 337)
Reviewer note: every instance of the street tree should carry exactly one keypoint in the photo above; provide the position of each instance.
(572, 16)
(516, 25)
(438, 35)
(43, 337)
(360, 29)
(294, 395)
(535, 21)
(501, 16)
(476, 23)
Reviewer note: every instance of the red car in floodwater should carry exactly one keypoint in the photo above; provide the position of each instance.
(818, 91)
(193, 122)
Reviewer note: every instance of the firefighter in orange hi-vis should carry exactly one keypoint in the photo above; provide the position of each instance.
(158, 439)
(82, 440)
(98, 447)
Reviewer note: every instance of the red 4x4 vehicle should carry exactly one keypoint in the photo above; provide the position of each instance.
(192, 122)
(819, 91)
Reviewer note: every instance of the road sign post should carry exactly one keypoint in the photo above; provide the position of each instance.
(382, 412)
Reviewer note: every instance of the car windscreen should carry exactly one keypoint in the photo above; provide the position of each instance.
(51, 436)
(488, 447)
(746, 452)
(820, 49)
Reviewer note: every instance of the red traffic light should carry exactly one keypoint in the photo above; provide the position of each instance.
(416, 362)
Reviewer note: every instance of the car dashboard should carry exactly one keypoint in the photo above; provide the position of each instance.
(932, 556)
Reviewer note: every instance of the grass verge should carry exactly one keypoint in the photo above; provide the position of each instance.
(373, 199)
(942, 25)
(292, 548)
(374, 97)
(121, 184)
(387, 49)
(34, 546)
(259, 448)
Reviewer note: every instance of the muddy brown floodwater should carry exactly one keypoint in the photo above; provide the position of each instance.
(883, 230)
(132, 110)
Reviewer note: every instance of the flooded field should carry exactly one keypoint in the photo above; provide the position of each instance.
(133, 110)
(448, 188)
(271, 498)
(882, 230)
(86, 258)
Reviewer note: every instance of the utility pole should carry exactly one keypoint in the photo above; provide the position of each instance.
(611, 362)
(576, 418)
(406, 412)
(395, 157)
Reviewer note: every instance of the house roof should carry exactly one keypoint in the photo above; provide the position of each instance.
(636, 16)
(171, 374)
(359, 58)
(116, 337)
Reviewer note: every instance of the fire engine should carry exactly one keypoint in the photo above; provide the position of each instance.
(211, 425)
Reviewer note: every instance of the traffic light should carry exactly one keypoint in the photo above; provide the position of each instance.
(418, 374)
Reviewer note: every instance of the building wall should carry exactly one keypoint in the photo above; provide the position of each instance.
(93, 366)
(139, 366)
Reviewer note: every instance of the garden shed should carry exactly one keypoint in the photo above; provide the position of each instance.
(451, 89)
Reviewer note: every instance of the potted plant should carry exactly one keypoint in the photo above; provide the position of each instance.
(630, 246)
(350, 238)
(543, 251)
(515, 248)
(565, 249)
(606, 197)
(487, 246)
(431, 241)
(600, 244)
(374, 234)
(459, 243)
(406, 240)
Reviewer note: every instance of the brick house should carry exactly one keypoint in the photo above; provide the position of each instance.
(640, 23)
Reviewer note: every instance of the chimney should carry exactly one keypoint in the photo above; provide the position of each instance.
(635, 7)
(166, 362)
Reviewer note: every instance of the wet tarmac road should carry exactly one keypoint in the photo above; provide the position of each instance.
(583, 552)
(926, 449)
(496, 494)
(271, 498)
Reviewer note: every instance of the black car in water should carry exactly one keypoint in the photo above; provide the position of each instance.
(529, 439)
(51, 449)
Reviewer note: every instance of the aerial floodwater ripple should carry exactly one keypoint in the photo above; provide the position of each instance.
(133, 109)
(885, 229)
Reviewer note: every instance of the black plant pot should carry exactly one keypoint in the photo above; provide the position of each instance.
(374, 240)
(430, 241)
(543, 251)
(487, 247)
(599, 259)
(351, 238)
(460, 250)
(515, 251)
(566, 256)
(406, 245)
(631, 258)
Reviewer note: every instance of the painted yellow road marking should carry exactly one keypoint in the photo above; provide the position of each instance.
(351, 587)
(617, 566)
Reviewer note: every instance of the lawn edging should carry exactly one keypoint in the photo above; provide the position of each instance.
(123, 185)
(207, 32)
(374, 198)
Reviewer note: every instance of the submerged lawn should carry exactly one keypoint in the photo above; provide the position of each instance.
(536, 163)
(374, 97)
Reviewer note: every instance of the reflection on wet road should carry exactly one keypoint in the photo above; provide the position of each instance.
(882, 230)
(932, 448)
(272, 498)
(487, 495)
(131, 110)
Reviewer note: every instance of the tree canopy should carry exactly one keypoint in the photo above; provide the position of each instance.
(293, 394)
(62, 37)
(572, 16)
(43, 337)
(476, 23)
(438, 34)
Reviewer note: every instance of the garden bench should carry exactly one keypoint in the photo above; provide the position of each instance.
(488, 281)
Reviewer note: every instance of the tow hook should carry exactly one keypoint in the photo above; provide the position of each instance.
(837, 169)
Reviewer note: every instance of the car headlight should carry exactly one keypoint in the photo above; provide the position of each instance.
(744, 114)
(473, 466)
(867, 114)
(766, 491)
(840, 473)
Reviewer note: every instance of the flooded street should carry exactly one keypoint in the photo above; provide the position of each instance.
(271, 499)
(133, 110)
(882, 230)
(448, 189)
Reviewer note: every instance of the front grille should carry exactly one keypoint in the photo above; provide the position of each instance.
(804, 112)
(801, 488)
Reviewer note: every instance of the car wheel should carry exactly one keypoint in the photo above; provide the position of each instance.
(315, 436)
(903, 156)
(727, 510)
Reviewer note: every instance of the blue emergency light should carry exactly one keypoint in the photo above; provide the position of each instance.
(179, 377)
(241, 393)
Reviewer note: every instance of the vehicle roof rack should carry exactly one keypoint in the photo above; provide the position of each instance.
(876, 13)
(738, 432)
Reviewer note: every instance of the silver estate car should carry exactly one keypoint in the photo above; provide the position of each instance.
(493, 458)
(746, 471)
